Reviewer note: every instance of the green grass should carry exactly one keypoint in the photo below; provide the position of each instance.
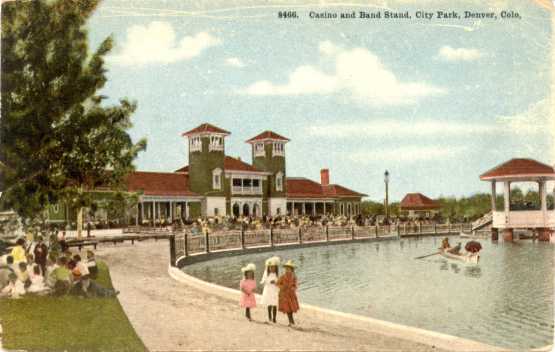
(68, 323)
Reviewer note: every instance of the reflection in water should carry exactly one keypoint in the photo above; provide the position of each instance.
(473, 271)
(506, 300)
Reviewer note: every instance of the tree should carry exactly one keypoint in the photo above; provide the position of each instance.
(57, 139)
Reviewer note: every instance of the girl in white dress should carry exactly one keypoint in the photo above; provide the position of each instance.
(271, 291)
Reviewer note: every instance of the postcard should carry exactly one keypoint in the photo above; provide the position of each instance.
(277, 175)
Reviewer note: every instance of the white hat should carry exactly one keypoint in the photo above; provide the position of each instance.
(273, 261)
(290, 264)
(249, 267)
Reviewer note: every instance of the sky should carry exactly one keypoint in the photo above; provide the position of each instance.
(435, 102)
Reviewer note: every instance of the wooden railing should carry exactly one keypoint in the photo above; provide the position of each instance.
(185, 243)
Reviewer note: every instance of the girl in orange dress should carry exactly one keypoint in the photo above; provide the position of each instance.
(287, 284)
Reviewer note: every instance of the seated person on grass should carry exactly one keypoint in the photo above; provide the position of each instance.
(14, 289)
(37, 282)
(5, 271)
(51, 265)
(91, 265)
(23, 275)
(61, 276)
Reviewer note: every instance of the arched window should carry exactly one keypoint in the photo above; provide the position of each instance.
(279, 181)
(217, 179)
(236, 210)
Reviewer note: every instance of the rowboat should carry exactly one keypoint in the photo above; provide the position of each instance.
(471, 258)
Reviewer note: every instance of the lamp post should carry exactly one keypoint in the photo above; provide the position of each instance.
(386, 180)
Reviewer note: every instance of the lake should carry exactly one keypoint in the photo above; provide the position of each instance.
(505, 300)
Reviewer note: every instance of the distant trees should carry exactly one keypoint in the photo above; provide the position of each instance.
(57, 139)
(467, 208)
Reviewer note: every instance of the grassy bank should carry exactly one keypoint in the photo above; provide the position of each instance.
(68, 323)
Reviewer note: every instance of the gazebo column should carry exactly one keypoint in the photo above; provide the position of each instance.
(507, 231)
(494, 231)
(493, 195)
(324, 208)
(313, 208)
(543, 233)
(304, 207)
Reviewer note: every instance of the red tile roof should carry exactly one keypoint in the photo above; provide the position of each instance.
(305, 188)
(205, 127)
(340, 191)
(267, 135)
(416, 201)
(159, 183)
(238, 165)
(519, 167)
(232, 164)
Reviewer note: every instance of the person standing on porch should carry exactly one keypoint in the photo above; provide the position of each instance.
(287, 283)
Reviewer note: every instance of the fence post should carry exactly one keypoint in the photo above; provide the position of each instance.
(207, 242)
(398, 230)
(172, 249)
(242, 236)
(327, 233)
(186, 246)
(352, 232)
(420, 228)
(435, 228)
(271, 235)
(300, 235)
(376, 230)
(449, 228)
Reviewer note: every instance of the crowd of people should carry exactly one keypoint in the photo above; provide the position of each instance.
(280, 292)
(217, 223)
(41, 268)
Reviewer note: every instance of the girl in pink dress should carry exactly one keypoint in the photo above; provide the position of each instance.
(247, 286)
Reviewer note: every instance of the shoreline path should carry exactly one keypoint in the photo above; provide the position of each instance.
(172, 316)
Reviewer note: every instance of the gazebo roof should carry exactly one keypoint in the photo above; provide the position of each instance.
(418, 201)
(519, 169)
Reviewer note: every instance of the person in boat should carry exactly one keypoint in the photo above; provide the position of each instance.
(456, 249)
(445, 243)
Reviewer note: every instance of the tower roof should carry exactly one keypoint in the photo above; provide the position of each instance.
(519, 168)
(205, 128)
(268, 135)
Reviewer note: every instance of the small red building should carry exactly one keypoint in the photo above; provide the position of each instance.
(417, 205)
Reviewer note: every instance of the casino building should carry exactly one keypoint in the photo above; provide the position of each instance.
(214, 184)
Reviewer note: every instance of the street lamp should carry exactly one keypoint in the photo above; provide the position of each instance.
(386, 180)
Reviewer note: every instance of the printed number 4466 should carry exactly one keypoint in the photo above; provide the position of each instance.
(287, 14)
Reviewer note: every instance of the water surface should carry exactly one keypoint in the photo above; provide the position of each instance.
(505, 300)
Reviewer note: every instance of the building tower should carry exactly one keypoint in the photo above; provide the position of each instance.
(268, 154)
(206, 166)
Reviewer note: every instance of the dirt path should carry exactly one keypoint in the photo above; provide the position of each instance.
(172, 316)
